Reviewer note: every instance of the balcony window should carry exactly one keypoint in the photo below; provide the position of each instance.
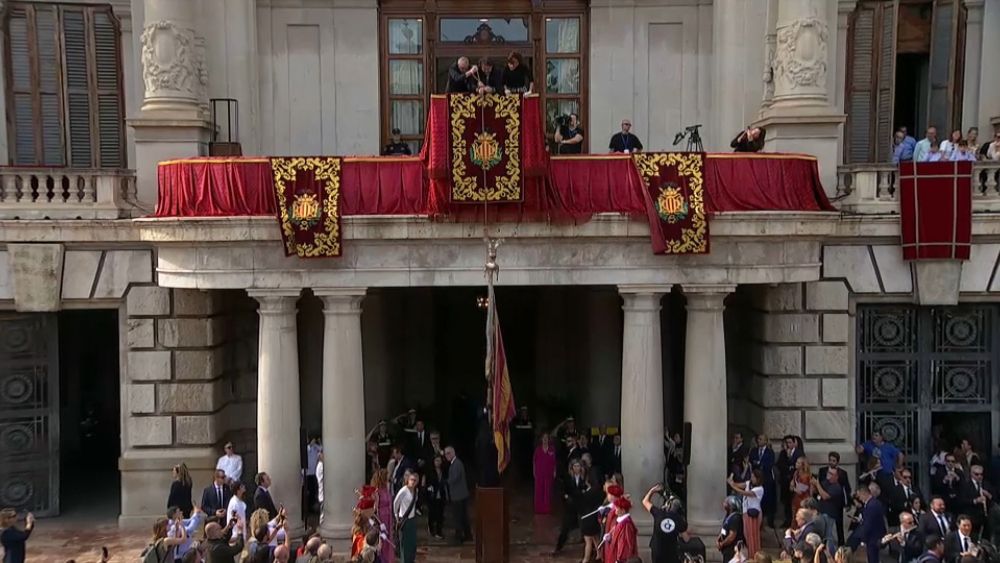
(64, 101)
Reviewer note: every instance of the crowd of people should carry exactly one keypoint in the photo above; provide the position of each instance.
(888, 512)
(957, 147)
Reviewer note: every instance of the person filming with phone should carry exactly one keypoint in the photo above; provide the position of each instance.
(14, 539)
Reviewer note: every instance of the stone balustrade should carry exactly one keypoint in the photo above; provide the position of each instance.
(872, 188)
(67, 193)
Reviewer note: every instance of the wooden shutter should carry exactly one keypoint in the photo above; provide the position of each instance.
(108, 88)
(77, 89)
(860, 82)
(886, 82)
(871, 78)
(64, 86)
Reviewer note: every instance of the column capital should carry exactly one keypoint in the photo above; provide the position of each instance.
(275, 301)
(846, 6)
(706, 297)
(645, 289)
(341, 300)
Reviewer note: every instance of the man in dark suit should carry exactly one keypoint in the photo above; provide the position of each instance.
(949, 481)
(762, 458)
(737, 451)
(935, 522)
(215, 498)
(420, 445)
(262, 496)
(872, 527)
(786, 468)
(976, 497)
(911, 541)
(402, 465)
(614, 463)
(898, 494)
(959, 542)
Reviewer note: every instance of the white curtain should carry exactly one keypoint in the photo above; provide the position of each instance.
(407, 78)
(564, 38)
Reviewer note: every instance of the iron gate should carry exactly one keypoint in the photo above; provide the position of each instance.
(913, 362)
(29, 413)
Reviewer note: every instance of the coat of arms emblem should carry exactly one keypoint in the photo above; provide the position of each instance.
(671, 205)
(485, 151)
(305, 211)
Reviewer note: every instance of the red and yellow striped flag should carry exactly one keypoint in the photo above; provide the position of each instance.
(498, 378)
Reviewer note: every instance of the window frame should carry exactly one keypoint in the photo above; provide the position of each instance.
(432, 11)
(94, 92)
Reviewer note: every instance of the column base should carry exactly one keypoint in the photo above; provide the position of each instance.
(165, 137)
(813, 130)
(145, 476)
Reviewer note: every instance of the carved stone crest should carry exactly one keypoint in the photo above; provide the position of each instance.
(170, 59)
(800, 58)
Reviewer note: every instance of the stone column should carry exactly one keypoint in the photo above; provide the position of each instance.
(171, 122)
(343, 408)
(736, 80)
(801, 116)
(642, 390)
(989, 79)
(278, 418)
(704, 393)
(973, 60)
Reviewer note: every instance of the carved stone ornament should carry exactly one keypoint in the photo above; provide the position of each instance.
(768, 76)
(170, 59)
(801, 54)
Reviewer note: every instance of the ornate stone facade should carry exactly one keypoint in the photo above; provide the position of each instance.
(800, 57)
(173, 64)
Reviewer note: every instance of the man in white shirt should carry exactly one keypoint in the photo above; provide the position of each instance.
(405, 510)
(231, 463)
(313, 450)
(319, 481)
(993, 153)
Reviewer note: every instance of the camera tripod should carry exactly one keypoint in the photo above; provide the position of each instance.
(694, 143)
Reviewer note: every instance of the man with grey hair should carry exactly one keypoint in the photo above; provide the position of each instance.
(459, 496)
(460, 77)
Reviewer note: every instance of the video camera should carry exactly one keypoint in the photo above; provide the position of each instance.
(562, 120)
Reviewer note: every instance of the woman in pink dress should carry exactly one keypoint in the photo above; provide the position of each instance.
(545, 474)
(383, 507)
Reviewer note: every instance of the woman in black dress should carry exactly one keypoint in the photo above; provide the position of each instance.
(590, 527)
(435, 483)
(180, 490)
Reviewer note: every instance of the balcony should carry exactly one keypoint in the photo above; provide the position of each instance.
(872, 188)
(67, 193)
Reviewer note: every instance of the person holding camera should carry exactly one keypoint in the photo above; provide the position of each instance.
(569, 135)
(750, 139)
(668, 524)
(14, 540)
(752, 492)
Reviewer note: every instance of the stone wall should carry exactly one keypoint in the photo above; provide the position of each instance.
(189, 384)
(800, 364)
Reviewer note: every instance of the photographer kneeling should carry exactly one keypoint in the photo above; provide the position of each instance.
(569, 135)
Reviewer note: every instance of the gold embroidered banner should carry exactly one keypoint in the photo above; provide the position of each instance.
(485, 148)
(675, 205)
(307, 190)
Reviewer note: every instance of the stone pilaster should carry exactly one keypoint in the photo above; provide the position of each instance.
(802, 116)
(642, 391)
(343, 407)
(801, 364)
(173, 392)
(704, 393)
(278, 416)
(172, 121)
(973, 68)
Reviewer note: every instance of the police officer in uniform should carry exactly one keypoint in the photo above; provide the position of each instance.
(668, 524)
(397, 146)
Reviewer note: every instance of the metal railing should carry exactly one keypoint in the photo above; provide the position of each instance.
(66, 193)
(872, 188)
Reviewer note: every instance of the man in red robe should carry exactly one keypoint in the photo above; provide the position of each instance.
(614, 492)
(624, 536)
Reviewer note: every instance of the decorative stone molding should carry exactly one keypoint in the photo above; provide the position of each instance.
(172, 61)
(800, 58)
(769, 62)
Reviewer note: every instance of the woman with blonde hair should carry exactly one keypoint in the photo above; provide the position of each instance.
(383, 511)
(180, 490)
(12, 539)
(801, 485)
